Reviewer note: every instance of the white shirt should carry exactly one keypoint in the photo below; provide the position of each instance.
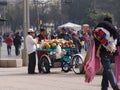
(30, 44)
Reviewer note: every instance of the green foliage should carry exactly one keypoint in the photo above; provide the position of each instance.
(78, 11)
(14, 16)
(94, 17)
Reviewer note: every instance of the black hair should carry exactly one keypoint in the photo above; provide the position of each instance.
(63, 29)
(29, 32)
(17, 33)
(108, 26)
(8, 35)
(108, 18)
(41, 30)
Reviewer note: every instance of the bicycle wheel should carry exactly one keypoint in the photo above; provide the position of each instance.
(43, 65)
(77, 64)
(66, 66)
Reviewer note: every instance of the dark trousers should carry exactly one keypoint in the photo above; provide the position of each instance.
(108, 75)
(9, 49)
(17, 50)
(32, 62)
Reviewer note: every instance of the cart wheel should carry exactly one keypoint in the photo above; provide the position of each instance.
(43, 65)
(77, 63)
(66, 66)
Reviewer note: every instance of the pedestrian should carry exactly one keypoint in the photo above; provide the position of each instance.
(87, 41)
(64, 35)
(80, 36)
(9, 42)
(54, 35)
(105, 38)
(76, 41)
(17, 43)
(31, 50)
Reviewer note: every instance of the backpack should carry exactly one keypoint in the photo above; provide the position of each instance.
(17, 40)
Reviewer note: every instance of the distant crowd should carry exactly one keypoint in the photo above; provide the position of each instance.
(15, 40)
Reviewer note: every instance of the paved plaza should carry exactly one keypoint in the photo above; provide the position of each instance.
(18, 79)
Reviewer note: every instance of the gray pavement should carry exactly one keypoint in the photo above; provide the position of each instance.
(18, 79)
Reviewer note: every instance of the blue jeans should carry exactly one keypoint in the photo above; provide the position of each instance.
(9, 49)
(108, 74)
(87, 44)
(17, 49)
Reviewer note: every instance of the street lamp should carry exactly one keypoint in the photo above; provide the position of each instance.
(38, 4)
(26, 27)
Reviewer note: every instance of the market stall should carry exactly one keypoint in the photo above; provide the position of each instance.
(58, 50)
(71, 26)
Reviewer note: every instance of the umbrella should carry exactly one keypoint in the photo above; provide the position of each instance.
(70, 26)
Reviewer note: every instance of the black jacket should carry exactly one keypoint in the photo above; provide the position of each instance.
(113, 32)
(118, 41)
(17, 40)
(108, 26)
(65, 36)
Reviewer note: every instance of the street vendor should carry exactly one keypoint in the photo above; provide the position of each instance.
(42, 35)
(64, 35)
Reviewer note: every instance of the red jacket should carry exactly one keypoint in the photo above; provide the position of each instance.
(41, 37)
(8, 41)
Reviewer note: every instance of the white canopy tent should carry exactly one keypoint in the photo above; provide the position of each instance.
(70, 26)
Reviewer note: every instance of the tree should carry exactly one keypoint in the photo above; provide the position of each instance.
(76, 11)
(54, 14)
(15, 16)
(94, 17)
(110, 6)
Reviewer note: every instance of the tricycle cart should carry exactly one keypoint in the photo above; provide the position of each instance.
(47, 59)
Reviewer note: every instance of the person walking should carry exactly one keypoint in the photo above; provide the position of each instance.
(31, 50)
(9, 42)
(80, 36)
(17, 43)
(104, 33)
(87, 41)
